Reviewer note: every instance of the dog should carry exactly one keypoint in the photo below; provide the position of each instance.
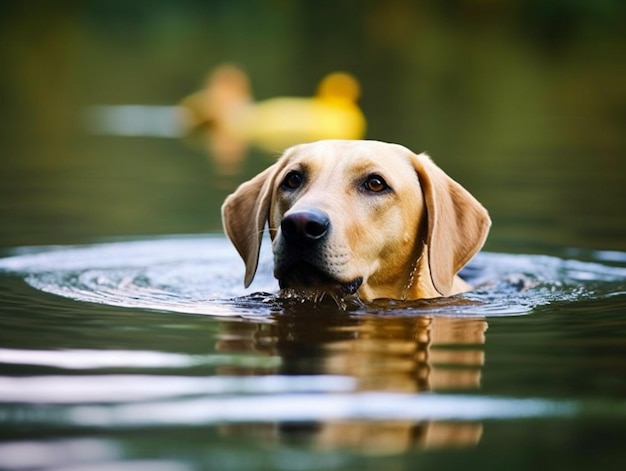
(355, 217)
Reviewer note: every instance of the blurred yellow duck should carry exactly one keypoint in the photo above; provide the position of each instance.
(225, 107)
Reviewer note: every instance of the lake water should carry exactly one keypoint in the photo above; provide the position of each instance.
(127, 340)
(149, 353)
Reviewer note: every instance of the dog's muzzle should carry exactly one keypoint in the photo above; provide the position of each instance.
(301, 258)
(305, 228)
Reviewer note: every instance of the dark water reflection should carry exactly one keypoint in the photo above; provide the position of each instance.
(391, 355)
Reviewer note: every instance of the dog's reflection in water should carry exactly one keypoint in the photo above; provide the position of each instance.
(383, 354)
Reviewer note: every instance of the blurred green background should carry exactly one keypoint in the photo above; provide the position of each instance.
(523, 102)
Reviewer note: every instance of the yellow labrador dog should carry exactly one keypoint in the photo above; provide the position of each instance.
(358, 217)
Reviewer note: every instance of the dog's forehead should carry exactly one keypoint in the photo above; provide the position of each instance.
(343, 157)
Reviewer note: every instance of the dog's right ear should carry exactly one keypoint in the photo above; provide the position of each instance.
(244, 214)
(457, 223)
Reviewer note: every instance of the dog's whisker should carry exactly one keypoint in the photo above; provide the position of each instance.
(411, 280)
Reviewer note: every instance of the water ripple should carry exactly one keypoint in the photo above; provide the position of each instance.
(203, 275)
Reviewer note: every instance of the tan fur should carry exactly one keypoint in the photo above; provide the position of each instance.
(408, 243)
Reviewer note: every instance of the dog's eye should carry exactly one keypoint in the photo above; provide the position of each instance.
(375, 184)
(292, 181)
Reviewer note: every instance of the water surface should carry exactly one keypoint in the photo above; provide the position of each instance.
(237, 371)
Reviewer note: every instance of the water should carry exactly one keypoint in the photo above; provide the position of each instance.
(109, 346)
(196, 275)
(127, 340)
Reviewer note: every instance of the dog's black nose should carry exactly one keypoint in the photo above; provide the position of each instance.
(305, 226)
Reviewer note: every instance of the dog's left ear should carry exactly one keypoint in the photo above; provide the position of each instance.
(244, 214)
(457, 223)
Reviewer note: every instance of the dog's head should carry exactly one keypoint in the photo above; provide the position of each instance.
(358, 216)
